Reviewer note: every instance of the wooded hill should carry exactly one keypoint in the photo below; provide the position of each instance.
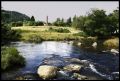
(13, 16)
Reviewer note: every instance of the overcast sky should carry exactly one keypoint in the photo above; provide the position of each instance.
(40, 9)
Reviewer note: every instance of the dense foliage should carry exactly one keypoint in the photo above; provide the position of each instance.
(10, 58)
(8, 35)
(34, 38)
(61, 22)
(13, 16)
(60, 30)
(98, 23)
(33, 23)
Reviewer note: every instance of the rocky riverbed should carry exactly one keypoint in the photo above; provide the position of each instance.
(59, 68)
(71, 63)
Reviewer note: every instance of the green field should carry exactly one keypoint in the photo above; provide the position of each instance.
(45, 34)
(43, 28)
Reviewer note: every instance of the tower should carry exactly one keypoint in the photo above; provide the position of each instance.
(47, 20)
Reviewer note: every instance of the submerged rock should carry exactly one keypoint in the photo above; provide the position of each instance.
(73, 67)
(54, 61)
(73, 60)
(28, 76)
(79, 77)
(77, 61)
(62, 75)
(47, 72)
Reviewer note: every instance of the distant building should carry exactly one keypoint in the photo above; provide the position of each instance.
(46, 23)
(47, 20)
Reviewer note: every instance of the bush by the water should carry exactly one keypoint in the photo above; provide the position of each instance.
(34, 38)
(8, 35)
(60, 30)
(111, 43)
(11, 58)
(98, 23)
(87, 42)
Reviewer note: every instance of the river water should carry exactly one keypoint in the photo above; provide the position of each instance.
(36, 53)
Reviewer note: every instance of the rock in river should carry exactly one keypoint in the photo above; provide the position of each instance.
(94, 44)
(79, 77)
(47, 71)
(114, 51)
(73, 67)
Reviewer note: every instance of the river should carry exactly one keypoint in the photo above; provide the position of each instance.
(36, 53)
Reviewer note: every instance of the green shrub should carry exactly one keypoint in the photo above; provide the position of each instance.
(34, 38)
(60, 30)
(87, 42)
(29, 23)
(11, 58)
(39, 23)
(111, 43)
(15, 24)
(9, 35)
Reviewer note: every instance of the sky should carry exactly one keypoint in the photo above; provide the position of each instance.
(52, 9)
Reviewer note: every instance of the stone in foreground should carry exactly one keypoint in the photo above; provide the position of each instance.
(47, 71)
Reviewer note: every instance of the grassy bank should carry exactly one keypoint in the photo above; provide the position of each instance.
(10, 58)
(43, 33)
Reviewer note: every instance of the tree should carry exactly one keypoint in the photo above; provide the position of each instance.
(74, 21)
(68, 22)
(32, 18)
(8, 35)
(59, 22)
(97, 23)
(39, 23)
(114, 22)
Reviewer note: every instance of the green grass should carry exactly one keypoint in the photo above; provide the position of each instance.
(59, 30)
(34, 38)
(10, 58)
(43, 32)
(44, 28)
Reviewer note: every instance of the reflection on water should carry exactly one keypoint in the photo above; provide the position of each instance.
(35, 53)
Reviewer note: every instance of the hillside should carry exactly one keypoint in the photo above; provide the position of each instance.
(12, 16)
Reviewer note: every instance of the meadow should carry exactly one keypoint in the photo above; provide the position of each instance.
(46, 34)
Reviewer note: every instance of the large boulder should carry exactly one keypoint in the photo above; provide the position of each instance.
(73, 67)
(47, 71)
(73, 60)
(85, 63)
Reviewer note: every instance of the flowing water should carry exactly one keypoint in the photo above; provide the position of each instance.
(101, 64)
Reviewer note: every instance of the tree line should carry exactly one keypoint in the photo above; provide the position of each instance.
(98, 23)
